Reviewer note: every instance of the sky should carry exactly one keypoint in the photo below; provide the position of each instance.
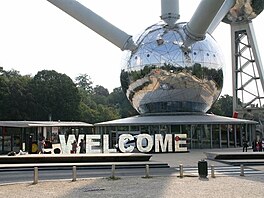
(35, 35)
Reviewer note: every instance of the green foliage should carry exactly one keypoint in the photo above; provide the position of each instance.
(55, 95)
(84, 82)
(100, 91)
(223, 106)
(51, 95)
(13, 95)
(118, 100)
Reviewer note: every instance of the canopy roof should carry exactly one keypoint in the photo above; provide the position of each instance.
(175, 120)
(25, 124)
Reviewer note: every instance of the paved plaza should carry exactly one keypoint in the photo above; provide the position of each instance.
(222, 185)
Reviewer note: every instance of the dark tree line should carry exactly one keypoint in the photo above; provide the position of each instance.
(50, 95)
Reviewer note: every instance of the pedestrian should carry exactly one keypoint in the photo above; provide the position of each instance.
(260, 145)
(82, 146)
(245, 144)
(74, 147)
(257, 146)
(41, 145)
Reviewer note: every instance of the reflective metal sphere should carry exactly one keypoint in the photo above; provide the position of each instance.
(161, 77)
(244, 10)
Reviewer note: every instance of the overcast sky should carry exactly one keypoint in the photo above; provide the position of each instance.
(35, 35)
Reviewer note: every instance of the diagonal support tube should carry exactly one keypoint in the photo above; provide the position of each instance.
(96, 23)
(227, 5)
(204, 15)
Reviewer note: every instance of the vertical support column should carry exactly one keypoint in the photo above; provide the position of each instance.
(170, 11)
(220, 136)
(250, 133)
(235, 135)
(246, 131)
(241, 135)
(211, 136)
(228, 137)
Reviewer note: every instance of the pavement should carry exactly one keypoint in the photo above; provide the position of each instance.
(186, 159)
(191, 158)
(190, 186)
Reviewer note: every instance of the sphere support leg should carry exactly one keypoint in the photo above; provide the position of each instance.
(247, 73)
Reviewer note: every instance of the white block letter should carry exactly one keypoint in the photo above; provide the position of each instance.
(121, 143)
(178, 141)
(144, 143)
(163, 145)
(66, 147)
(90, 143)
(106, 145)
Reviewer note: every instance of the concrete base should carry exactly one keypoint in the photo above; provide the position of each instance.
(74, 158)
(237, 158)
(235, 155)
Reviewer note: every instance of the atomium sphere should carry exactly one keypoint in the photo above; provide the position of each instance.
(161, 77)
(244, 10)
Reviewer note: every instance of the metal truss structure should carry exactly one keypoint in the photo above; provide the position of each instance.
(247, 73)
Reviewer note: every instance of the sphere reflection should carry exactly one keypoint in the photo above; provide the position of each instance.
(244, 10)
(160, 76)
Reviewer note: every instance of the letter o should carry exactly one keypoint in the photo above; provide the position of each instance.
(149, 141)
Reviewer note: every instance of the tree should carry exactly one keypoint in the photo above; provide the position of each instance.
(13, 95)
(223, 106)
(95, 108)
(118, 100)
(55, 96)
(84, 82)
(99, 95)
(100, 90)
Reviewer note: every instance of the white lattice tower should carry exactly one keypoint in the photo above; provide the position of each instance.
(247, 73)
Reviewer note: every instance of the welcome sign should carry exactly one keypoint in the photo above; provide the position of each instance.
(144, 143)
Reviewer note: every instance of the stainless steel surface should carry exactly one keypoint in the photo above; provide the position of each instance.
(244, 10)
(227, 5)
(96, 23)
(201, 20)
(160, 76)
(170, 11)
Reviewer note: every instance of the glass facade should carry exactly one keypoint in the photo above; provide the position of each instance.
(22, 138)
(199, 136)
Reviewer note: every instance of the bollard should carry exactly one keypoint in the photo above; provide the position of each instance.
(242, 170)
(212, 171)
(35, 175)
(113, 171)
(74, 173)
(147, 171)
(181, 170)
